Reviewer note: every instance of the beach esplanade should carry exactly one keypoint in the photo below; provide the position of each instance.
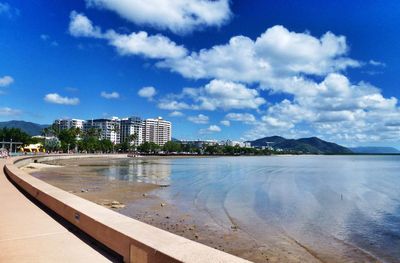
(42, 223)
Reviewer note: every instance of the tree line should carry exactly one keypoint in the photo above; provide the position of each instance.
(89, 141)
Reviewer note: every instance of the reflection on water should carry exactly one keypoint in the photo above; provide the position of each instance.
(333, 205)
(143, 171)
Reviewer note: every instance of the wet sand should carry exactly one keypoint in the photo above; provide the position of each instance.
(140, 201)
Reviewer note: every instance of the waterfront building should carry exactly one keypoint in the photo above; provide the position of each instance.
(199, 143)
(65, 124)
(157, 131)
(234, 143)
(109, 129)
(131, 126)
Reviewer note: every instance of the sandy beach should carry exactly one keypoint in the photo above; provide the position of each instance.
(140, 201)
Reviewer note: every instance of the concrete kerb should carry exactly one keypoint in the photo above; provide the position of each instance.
(135, 241)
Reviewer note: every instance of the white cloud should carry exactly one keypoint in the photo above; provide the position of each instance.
(225, 123)
(111, 95)
(336, 109)
(6, 111)
(140, 43)
(176, 114)
(155, 46)
(179, 16)
(57, 99)
(44, 37)
(277, 53)
(172, 105)
(199, 119)
(377, 63)
(4, 8)
(217, 94)
(6, 81)
(210, 129)
(81, 26)
(242, 117)
(8, 11)
(47, 38)
(147, 92)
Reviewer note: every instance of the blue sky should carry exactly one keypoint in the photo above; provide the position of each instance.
(216, 69)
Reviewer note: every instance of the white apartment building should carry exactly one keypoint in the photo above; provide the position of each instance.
(109, 128)
(131, 126)
(157, 130)
(234, 143)
(64, 124)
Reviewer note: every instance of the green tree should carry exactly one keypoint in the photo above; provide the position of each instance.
(105, 146)
(68, 138)
(15, 135)
(132, 140)
(52, 144)
(171, 146)
(149, 147)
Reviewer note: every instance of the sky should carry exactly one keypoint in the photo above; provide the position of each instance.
(218, 69)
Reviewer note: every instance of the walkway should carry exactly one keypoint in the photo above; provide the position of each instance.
(28, 234)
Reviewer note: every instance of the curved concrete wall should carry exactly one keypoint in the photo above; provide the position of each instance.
(132, 239)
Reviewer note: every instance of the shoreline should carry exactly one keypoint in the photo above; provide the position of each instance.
(141, 201)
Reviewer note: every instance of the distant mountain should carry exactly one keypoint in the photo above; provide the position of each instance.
(28, 127)
(312, 145)
(267, 141)
(375, 150)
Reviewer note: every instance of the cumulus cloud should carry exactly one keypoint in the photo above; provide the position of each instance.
(217, 94)
(279, 61)
(242, 117)
(155, 46)
(178, 16)
(57, 99)
(175, 114)
(81, 26)
(147, 92)
(225, 123)
(336, 109)
(111, 95)
(199, 119)
(277, 53)
(167, 104)
(140, 43)
(6, 81)
(210, 129)
(6, 111)
(377, 63)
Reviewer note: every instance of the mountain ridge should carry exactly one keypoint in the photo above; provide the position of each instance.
(30, 128)
(312, 145)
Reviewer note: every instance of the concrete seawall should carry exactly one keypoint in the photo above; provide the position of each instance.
(133, 240)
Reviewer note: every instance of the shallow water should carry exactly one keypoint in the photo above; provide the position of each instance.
(332, 206)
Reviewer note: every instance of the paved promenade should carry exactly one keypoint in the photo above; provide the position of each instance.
(28, 234)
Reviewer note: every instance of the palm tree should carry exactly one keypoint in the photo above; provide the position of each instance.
(45, 131)
(132, 139)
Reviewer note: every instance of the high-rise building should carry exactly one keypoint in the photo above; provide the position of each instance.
(109, 128)
(65, 124)
(129, 126)
(157, 131)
